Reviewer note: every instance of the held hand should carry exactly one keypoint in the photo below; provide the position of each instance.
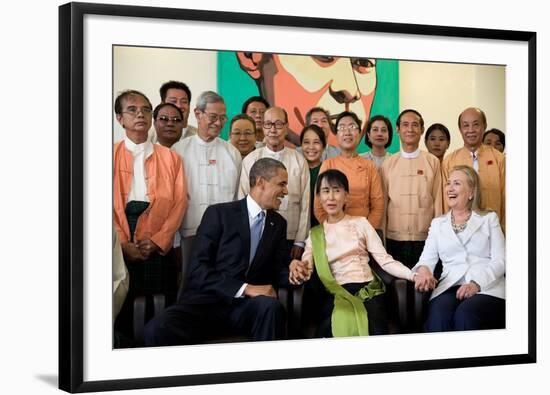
(147, 247)
(256, 290)
(296, 252)
(131, 252)
(424, 280)
(467, 291)
(298, 272)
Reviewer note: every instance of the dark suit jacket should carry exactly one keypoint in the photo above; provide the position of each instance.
(219, 261)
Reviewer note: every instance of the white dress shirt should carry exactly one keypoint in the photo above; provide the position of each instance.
(140, 152)
(253, 211)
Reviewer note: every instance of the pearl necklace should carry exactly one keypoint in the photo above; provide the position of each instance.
(459, 228)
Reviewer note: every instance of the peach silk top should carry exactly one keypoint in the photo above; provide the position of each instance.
(347, 245)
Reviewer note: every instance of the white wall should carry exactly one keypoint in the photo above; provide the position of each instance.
(441, 91)
(146, 69)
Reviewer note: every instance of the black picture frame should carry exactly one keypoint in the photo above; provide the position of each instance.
(71, 195)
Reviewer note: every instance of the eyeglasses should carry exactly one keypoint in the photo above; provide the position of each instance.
(277, 124)
(351, 127)
(165, 119)
(133, 110)
(245, 134)
(214, 117)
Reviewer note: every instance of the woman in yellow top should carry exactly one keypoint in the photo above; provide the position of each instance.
(365, 198)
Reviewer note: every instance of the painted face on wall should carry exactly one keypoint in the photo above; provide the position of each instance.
(300, 82)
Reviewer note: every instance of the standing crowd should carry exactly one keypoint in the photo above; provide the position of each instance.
(218, 226)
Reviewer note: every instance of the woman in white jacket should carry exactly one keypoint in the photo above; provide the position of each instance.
(469, 241)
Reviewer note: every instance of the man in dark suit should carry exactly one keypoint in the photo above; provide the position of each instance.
(239, 257)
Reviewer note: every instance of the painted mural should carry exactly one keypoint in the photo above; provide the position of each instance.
(299, 82)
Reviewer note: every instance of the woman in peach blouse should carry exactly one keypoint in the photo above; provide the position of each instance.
(365, 198)
(338, 250)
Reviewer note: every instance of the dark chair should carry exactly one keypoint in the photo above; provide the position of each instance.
(159, 302)
(421, 300)
(140, 307)
(282, 295)
(303, 326)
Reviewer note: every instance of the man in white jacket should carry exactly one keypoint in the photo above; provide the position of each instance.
(295, 206)
(212, 167)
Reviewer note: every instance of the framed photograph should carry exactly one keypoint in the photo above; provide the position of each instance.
(99, 45)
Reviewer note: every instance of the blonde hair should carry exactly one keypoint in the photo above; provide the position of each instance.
(472, 179)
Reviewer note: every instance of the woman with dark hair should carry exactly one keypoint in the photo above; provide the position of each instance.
(437, 140)
(470, 244)
(495, 138)
(339, 251)
(313, 142)
(378, 136)
(366, 198)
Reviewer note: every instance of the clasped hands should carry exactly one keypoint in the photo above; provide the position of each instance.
(424, 280)
(299, 271)
(140, 250)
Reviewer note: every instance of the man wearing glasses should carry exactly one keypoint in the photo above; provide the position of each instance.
(212, 166)
(168, 122)
(149, 202)
(242, 134)
(295, 206)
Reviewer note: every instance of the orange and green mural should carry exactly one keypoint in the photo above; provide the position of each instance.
(299, 82)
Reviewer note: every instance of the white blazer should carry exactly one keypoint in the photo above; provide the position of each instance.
(480, 256)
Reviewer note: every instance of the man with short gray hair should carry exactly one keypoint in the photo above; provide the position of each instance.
(295, 207)
(212, 167)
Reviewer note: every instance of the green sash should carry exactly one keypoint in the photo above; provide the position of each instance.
(349, 316)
